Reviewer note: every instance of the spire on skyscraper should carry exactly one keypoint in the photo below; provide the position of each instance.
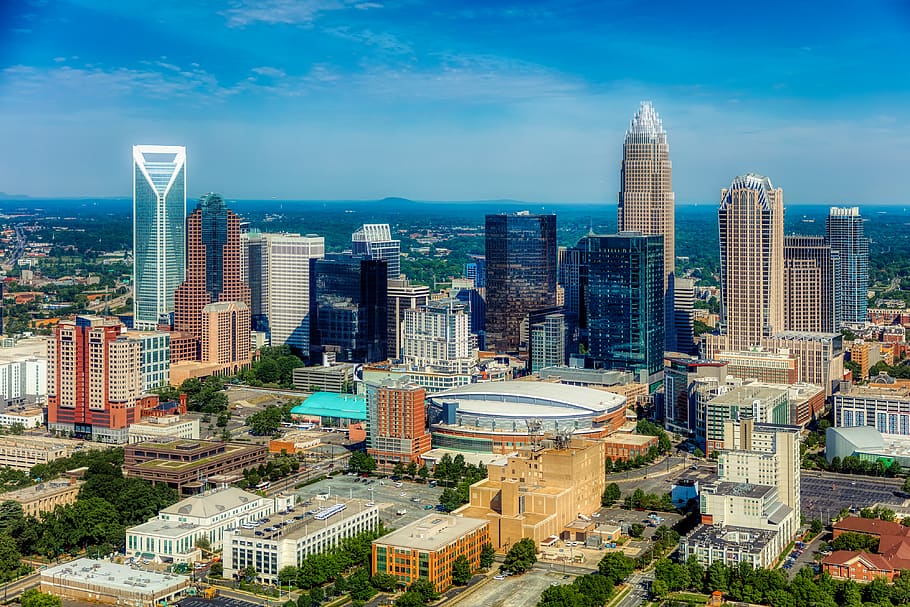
(646, 122)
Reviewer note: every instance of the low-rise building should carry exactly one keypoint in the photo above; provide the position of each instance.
(621, 447)
(867, 444)
(858, 566)
(23, 452)
(106, 583)
(185, 464)
(713, 543)
(540, 492)
(427, 548)
(332, 409)
(23, 415)
(172, 535)
(885, 408)
(338, 377)
(164, 427)
(290, 538)
(44, 497)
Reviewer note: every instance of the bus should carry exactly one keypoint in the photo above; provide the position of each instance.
(263, 486)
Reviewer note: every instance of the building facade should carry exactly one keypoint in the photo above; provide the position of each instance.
(437, 336)
(810, 279)
(278, 273)
(159, 237)
(887, 409)
(45, 497)
(646, 198)
(679, 402)
(775, 367)
(374, 240)
(426, 549)
(548, 342)
(845, 235)
(97, 379)
(521, 274)
(751, 225)
(351, 307)
(402, 296)
(396, 423)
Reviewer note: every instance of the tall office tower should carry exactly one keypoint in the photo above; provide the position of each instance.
(225, 339)
(402, 296)
(279, 279)
(374, 240)
(521, 273)
(646, 198)
(569, 276)
(477, 270)
(350, 295)
(437, 336)
(159, 237)
(624, 303)
(810, 274)
(478, 310)
(213, 268)
(680, 375)
(684, 311)
(548, 342)
(94, 379)
(396, 422)
(751, 224)
(845, 234)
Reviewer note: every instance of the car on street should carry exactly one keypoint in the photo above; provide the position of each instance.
(499, 577)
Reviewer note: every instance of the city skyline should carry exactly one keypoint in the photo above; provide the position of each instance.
(445, 102)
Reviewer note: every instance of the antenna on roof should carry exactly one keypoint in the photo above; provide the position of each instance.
(535, 429)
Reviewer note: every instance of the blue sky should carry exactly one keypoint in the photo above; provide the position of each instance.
(447, 100)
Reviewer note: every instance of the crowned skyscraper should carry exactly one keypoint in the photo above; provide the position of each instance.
(159, 233)
(646, 199)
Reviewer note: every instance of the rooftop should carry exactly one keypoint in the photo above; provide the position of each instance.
(114, 577)
(897, 391)
(870, 526)
(333, 404)
(167, 529)
(746, 395)
(301, 520)
(27, 494)
(719, 537)
(515, 399)
(848, 557)
(743, 490)
(211, 503)
(432, 532)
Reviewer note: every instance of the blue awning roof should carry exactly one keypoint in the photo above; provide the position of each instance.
(332, 404)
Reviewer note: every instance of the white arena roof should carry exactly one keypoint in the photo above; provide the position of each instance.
(524, 398)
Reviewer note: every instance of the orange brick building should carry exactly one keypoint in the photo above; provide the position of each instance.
(858, 566)
(397, 423)
(623, 447)
(427, 548)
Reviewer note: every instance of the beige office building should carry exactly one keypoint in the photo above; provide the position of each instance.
(809, 283)
(539, 492)
(402, 296)
(751, 224)
(646, 198)
(44, 497)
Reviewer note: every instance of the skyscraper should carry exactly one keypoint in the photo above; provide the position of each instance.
(374, 240)
(521, 273)
(810, 274)
(279, 279)
(684, 310)
(548, 342)
(402, 296)
(213, 268)
(646, 198)
(159, 241)
(751, 225)
(350, 295)
(624, 304)
(396, 422)
(845, 234)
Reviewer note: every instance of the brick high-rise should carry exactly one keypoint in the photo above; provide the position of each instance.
(214, 273)
(94, 379)
(396, 423)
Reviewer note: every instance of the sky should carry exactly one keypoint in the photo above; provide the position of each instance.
(455, 100)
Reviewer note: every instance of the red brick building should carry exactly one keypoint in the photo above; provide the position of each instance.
(397, 423)
(893, 554)
(858, 566)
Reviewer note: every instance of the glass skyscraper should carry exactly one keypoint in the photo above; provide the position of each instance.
(623, 303)
(521, 274)
(350, 306)
(375, 241)
(159, 234)
(846, 236)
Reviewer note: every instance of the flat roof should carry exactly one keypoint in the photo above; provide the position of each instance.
(333, 404)
(743, 489)
(113, 576)
(477, 459)
(211, 503)
(432, 532)
(168, 529)
(515, 398)
(299, 522)
(745, 395)
(29, 493)
(719, 537)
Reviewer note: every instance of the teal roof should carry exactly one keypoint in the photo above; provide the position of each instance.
(333, 404)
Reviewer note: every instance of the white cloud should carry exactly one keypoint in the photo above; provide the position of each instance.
(288, 12)
(269, 72)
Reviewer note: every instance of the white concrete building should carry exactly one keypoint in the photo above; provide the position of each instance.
(29, 417)
(290, 538)
(23, 370)
(169, 426)
(437, 337)
(172, 535)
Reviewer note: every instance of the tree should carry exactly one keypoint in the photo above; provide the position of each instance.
(9, 557)
(611, 495)
(410, 599)
(360, 462)
(412, 469)
(317, 595)
(659, 589)
(616, 567)
(906, 486)
(698, 453)
(816, 526)
(398, 469)
(461, 571)
(450, 499)
(563, 595)
(12, 517)
(424, 588)
(384, 581)
(855, 541)
(341, 586)
(304, 600)
(595, 587)
(486, 556)
(265, 422)
(359, 586)
(249, 574)
(423, 472)
(636, 530)
(35, 598)
(203, 544)
(521, 556)
(216, 570)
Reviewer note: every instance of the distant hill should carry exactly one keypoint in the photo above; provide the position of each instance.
(5, 196)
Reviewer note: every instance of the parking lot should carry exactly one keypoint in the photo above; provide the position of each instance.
(514, 591)
(825, 494)
(387, 496)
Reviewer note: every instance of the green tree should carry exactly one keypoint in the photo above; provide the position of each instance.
(597, 588)
(659, 589)
(412, 469)
(341, 586)
(35, 598)
(487, 553)
(384, 581)
(359, 586)
(855, 541)
(303, 600)
(521, 556)
(360, 462)
(265, 422)
(423, 472)
(611, 495)
(563, 595)
(216, 570)
(636, 530)
(461, 571)
(203, 544)
(410, 599)
(249, 574)
(10, 559)
(616, 567)
(424, 588)
(398, 469)
(11, 517)
(317, 595)
(816, 526)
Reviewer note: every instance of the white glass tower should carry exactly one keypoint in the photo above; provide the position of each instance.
(159, 230)
(375, 241)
